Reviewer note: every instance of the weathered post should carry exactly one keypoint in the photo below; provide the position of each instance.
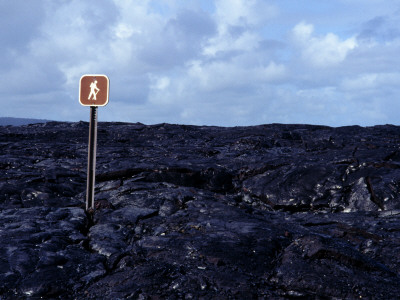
(93, 92)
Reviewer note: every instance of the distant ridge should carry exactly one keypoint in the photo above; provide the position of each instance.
(4, 121)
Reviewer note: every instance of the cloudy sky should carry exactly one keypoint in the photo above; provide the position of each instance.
(222, 62)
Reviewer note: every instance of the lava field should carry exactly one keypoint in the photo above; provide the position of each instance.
(195, 212)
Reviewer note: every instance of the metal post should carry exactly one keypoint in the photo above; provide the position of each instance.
(91, 158)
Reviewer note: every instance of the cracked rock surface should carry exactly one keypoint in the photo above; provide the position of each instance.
(188, 212)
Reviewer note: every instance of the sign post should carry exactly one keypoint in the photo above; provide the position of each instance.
(93, 92)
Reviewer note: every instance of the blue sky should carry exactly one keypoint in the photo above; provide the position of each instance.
(223, 62)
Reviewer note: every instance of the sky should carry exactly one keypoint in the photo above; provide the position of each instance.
(202, 62)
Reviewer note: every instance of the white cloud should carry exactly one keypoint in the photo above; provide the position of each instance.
(226, 42)
(238, 21)
(370, 81)
(222, 75)
(161, 83)
(243, 12)
(322, 51)
(124, 31)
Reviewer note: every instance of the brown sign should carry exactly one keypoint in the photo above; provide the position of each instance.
(93, 90)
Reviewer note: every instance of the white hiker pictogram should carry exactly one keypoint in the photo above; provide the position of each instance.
(93, 90)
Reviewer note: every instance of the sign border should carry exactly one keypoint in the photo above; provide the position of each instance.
(94, 75)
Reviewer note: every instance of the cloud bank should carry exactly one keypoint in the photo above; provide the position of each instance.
(223, 62)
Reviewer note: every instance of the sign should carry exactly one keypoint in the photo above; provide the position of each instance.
(93, 90)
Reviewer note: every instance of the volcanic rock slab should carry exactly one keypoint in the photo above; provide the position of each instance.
(188, 212)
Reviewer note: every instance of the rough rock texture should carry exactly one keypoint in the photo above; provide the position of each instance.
(185, 212)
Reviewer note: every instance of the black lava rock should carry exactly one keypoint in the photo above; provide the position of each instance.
(188, 212)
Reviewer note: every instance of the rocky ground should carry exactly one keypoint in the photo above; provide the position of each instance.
(185, 212)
